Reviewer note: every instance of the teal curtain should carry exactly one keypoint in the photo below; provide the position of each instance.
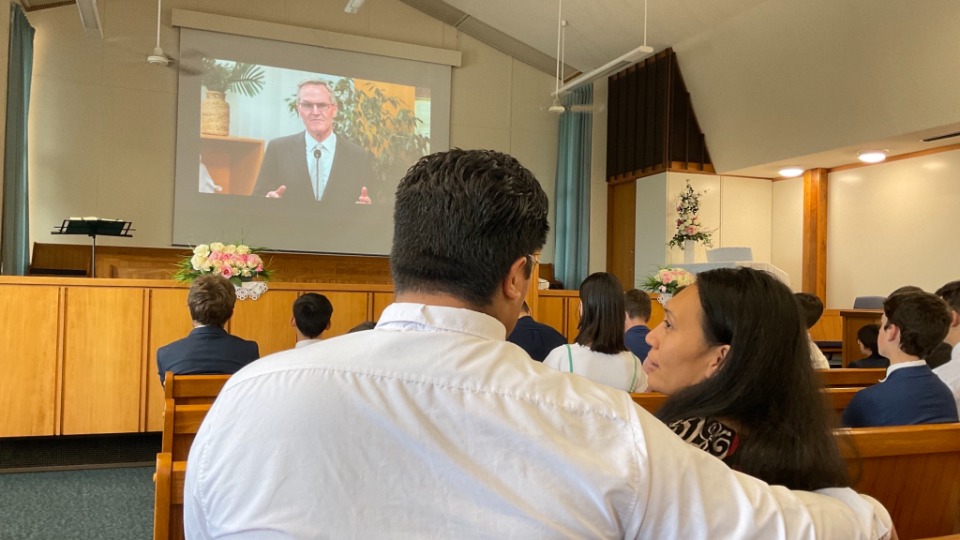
(573, 191)
(15, 235)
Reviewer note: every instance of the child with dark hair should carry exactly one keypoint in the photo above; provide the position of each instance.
(867, 340)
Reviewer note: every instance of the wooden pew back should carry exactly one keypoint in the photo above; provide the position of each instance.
(168, 503)
(913, 470)
(193, 389)
(837, 399)
(180, 425)
(851, 376)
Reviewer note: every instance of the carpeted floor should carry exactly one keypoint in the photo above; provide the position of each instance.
(102, 504)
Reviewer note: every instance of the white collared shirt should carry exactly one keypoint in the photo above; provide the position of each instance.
(893, 367)
(304, 342)
(949, 373)
(433, 426)
(328, 149)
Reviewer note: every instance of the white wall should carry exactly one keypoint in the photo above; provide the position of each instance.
(745, 213)
(651, 228)
(791, 78)
(102, 123)
(597, 261)
(786, 221)
(891, 225)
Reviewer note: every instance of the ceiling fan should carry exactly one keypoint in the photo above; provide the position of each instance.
(158, 57)
(617, 64)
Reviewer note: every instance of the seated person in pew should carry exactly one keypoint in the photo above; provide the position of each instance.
(949, 372)
(941, 354)
(432, 426)
(867, 340)
(208, 348)
(811, 308)
(912, 325)
(637, 304)
(311, 317)
(599, 352)
(732, 355)
(362, 327)
(536, 338)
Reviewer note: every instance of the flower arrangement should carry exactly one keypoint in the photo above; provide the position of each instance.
(688, 220)
(236, 262)
(668, 280)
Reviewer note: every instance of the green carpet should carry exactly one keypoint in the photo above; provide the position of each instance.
(101, 504)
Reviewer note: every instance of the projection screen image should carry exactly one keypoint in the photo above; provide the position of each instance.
(295, 150)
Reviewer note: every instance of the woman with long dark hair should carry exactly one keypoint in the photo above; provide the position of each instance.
(599, 352)
(732, 354)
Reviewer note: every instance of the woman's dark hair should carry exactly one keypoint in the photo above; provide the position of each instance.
(766, 387)
(601, 325)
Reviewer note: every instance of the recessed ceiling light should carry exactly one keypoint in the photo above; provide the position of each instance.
(872, 156)
(791, 172)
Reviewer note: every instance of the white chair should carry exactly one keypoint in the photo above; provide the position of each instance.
(730, 254)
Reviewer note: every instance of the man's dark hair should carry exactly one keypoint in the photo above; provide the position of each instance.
(868, 334)
(525, 307)
(905, 288)
(461, 219)
(363, 327)
(766, 386)
(811, 308)
(951, 295)
(637, 304)
(211, 300)
(311, 313)
(601, 324)
(923, 320)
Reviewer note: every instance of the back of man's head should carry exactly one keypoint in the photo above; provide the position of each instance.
(312, 313)
(922, 318)
(462, 218)
(637, 305)
(867, 334)
(211, 300)
(811, 308)
(951, 295)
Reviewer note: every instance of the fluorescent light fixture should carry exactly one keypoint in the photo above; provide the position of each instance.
(353, 6)
(791, 172)
(90, 18)
(616, 64)
(872, 156)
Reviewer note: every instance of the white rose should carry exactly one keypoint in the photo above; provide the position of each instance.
(216, 246)
(231, 249)
(243, 249)
(198, 261)
(202, 250)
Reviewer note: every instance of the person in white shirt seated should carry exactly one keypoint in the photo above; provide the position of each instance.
(432, 425)
(311, 318)
(599, 352)
(949, 373)
(812, 308)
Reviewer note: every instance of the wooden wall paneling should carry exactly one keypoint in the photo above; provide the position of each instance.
(349, 310)
(572, 309)
(552, 313)
(621, 232)
(61, 328)
(145, 369)
(380, 303)
(168, 320)
(266, 320)
(814, 265)
(852, 320)
(613, 118)
(656, 313)
(29, 320)
(631, 110)
(102, 363)
(650, 104)
(829, 327)
(622, 140)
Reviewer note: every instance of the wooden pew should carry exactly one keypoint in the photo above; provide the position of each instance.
(851, 376)
(180, 425)
(913, 470)
(168, 503)
(837, 399)
(193, 389)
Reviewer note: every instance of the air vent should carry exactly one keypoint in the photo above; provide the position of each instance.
(488, 35)
(942, 137)
(33, 5)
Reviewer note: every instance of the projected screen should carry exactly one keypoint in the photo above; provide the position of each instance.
(290, 147)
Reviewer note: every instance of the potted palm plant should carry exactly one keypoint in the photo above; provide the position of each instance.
(220, 77)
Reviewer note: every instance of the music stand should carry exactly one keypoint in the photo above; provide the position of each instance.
(93, 227)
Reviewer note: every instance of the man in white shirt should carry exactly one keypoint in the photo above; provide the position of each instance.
(433, 426)
(311, 318)
(949, 373)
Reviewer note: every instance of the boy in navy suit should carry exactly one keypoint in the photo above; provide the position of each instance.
(912, 325)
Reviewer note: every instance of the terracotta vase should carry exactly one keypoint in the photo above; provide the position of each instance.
(215, 114)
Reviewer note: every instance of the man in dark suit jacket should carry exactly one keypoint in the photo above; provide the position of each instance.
(208, 348)
(536, 338)
(912, 325)
(638, 308)
(316, 164)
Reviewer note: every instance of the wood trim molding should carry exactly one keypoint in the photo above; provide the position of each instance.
(909, 155)
(814, 261)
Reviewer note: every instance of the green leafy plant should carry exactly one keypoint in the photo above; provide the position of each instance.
(224, 76)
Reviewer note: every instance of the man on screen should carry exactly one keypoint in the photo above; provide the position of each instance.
(315, 163)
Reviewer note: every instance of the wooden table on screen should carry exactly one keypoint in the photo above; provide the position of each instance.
(852, 320)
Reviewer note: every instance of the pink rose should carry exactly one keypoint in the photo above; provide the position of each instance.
(260, 268)
(226, 271)
(691, 230)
